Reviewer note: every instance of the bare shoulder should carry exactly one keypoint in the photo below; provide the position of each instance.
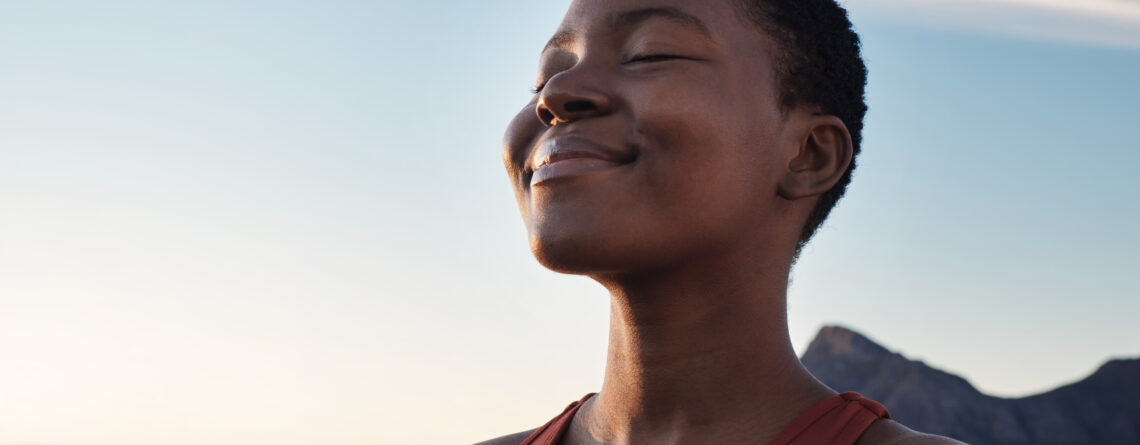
(510, 439)
(889, 432)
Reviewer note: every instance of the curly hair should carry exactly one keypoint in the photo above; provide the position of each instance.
(819, 64)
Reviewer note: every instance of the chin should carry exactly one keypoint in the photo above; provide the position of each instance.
(590, 249)
(595, 253)
(576, 255)
(589, 239)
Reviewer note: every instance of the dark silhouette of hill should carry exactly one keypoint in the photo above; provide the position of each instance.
(1104, 408)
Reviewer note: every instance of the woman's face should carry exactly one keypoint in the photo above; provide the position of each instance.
(656, 137)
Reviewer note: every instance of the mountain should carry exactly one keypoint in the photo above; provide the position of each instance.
(1104, 408)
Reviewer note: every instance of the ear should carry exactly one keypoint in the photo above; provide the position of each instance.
(823, 157)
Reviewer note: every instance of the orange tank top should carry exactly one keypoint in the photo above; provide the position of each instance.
(838, 420)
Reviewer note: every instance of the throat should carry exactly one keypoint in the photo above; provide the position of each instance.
(710, 368)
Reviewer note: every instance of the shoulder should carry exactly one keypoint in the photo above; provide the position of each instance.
(511, 439)
(889, 432)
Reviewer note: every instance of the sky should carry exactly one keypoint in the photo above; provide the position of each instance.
(288, 223)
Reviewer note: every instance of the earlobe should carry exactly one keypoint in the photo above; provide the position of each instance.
(824, 154)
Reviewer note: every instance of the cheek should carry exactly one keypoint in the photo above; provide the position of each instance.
(519, 138)
(705, 157)
(518, 142)
(710, 175)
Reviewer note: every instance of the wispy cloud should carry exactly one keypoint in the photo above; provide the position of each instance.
(1097, 22)
(1114, 10)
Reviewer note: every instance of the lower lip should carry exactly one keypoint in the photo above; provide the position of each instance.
(570, 167)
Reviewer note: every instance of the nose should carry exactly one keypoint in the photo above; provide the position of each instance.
(573, 95)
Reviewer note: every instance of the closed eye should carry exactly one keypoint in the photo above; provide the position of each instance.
(650, 58)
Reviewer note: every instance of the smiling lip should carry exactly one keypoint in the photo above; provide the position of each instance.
(572, 156)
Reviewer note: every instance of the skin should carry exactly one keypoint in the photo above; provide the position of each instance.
(683, 190)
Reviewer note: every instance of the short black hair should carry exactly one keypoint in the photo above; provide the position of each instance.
(819, 64)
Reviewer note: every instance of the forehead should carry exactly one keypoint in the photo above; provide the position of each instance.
(737, 51)
(719, 19)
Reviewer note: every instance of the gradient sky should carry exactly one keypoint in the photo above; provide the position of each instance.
(287, 222)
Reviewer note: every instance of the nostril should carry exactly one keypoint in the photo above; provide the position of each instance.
(553, 110)
(545, 115)
(578, 106)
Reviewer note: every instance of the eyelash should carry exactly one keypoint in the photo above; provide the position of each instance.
(648, 58)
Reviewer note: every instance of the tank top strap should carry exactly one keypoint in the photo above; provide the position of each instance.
(838, 420)
(553, 431)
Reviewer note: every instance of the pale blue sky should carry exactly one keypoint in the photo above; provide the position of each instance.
(287, 223)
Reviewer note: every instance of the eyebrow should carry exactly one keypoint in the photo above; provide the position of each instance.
(634, 18)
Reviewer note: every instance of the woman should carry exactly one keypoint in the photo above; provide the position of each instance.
(681, 153)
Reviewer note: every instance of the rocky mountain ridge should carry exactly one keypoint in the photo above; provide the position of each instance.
(1104, 408)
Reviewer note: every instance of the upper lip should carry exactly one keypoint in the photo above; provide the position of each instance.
(570, 147)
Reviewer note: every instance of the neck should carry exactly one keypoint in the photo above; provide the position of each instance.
(692, 357)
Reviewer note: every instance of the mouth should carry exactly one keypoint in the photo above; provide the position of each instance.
(571, 156)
